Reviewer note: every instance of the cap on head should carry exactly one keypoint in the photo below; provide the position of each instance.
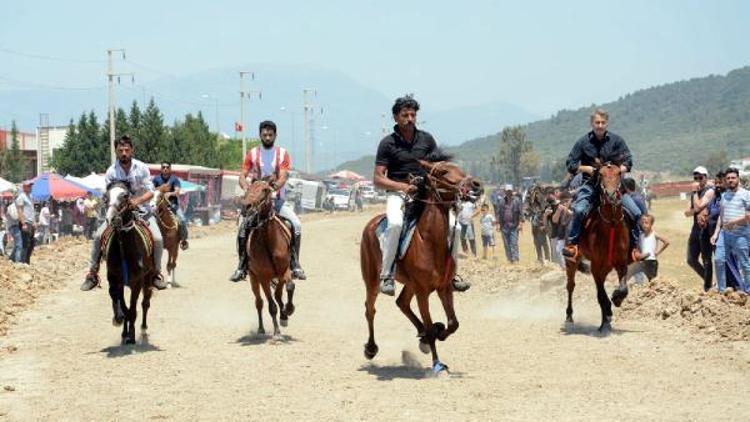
(700, 170)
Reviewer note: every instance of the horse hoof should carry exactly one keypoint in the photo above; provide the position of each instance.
(439, 367)
(371, 350)
(618, 296)
(130, 340)
(605, 329)
(117, 321)
(289, 309)
(284, 322)
(424, 347)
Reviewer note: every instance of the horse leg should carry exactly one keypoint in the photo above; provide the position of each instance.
(271, 306)
(279, 296)
(258, 303)
(423, 300)
(404, 303)
(570, 273)
(622, 290)
(116, 293)
(145, 304)
(604, 304)
(371, 348)
(289, 306)
(446, 298)
(135, 291)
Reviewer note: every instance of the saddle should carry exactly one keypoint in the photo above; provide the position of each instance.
(140, 227)
(412, 212)
(286, 227)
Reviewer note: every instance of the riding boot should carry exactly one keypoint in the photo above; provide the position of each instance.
(241, 272)
(297, 271)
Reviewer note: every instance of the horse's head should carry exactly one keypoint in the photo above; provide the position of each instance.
(258, 196)
(118, 201)
(449, 182)
(160, 200)
(609, 180)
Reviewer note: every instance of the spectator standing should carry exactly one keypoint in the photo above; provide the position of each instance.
(632, 190)
(66, 218)
(487, 223)
(44, 223)
(699, 242)
(358, 199)
(539, 231)
(647, 250)
(560, 219)
(26, 221)
(13, 225)
(90, 213)
(466, 220)
(509, 214)
(734, 226)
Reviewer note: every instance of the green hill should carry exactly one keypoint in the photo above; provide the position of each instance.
(671, 127)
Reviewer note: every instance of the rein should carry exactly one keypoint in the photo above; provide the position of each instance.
(615, 203)
(160, 210)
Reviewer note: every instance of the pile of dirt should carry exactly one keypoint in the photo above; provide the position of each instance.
(51, 267)
(726, 316)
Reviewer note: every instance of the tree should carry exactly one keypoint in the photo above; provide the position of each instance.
(85, 149)
(153, 144)
(513, 145)
(14, 163)
(530, 164)
(717, 161)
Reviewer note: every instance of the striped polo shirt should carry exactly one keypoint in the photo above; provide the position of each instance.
(735, 205)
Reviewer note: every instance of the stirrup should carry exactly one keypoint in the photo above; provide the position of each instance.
(159, 282)
(184, 245)
(92, 280)
(299, 274)
(238, 275)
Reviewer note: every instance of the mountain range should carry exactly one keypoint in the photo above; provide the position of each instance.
(672, 127)
(348, 117)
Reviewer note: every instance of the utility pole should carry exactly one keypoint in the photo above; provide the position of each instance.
(111, 81)
(243, 94)
(308, 108)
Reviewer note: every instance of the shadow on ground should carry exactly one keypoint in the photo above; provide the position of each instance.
(254, 339)
(141, 346)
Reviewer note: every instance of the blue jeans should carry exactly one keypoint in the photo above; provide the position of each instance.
(510, 242)
(15, 232)
(737, 244)
(585, 201)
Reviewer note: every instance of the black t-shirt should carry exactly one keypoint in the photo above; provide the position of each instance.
(173, 183)
(400, 157)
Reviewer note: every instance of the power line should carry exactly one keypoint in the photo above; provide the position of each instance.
(45, 86)
(50, 58)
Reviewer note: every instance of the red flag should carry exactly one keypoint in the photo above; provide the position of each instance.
(237, 127)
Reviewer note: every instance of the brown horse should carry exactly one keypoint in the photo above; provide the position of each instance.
(128, 249)
(604, 242)
(268, 249)
(428, 265)
(168, 225)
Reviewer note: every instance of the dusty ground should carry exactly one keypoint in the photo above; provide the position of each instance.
(512, 358)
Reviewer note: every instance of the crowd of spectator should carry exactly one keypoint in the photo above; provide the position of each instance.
(25, 224)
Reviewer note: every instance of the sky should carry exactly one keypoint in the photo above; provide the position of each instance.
(541, 55)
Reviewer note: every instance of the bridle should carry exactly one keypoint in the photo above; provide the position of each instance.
(440, 187)
(253, 211)
(165, 209)
(118, 219)
(612, 199)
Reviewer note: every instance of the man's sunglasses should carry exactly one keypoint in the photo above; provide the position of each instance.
(698, 177)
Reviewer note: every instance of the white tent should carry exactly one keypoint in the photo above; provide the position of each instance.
(6, 186)
(92, 181)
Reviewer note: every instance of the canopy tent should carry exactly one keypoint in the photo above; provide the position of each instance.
(346, 174)
(187, 187)
(6, 186)
(92, 181)
(53, 186)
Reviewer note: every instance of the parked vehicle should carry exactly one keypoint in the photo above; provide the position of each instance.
(340, 198)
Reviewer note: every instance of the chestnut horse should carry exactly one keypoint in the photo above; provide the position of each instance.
(168, 225)
(268, 250)
(128, 249)
(428, 264)
(604, 242)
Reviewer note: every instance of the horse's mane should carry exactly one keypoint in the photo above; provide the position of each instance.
(438, 154)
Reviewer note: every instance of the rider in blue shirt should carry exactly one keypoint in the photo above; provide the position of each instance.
(167, 178)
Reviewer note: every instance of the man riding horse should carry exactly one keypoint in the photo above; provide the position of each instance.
(595, 148)
(175, 187)
(136, 175)
(274, 162)
(396, 161)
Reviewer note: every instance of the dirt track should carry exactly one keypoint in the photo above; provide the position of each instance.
(510, 360)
